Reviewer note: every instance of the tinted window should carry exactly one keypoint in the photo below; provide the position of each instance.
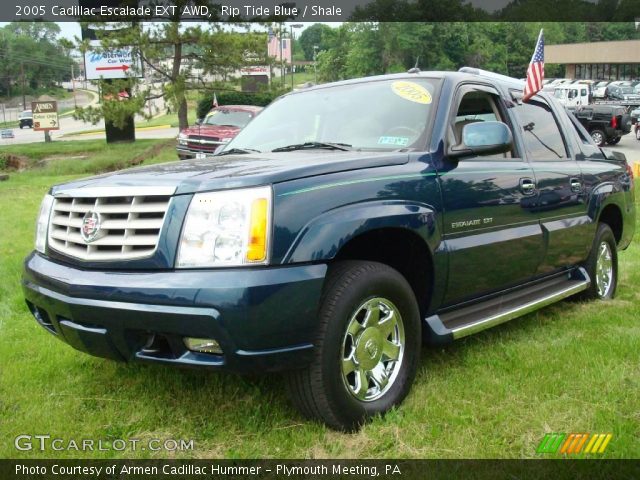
(542, 137)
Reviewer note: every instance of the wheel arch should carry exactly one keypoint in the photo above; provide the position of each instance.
(400, 234)
(611, 214)
(400, 249)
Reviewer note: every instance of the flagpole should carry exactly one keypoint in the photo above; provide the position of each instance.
(281, 59)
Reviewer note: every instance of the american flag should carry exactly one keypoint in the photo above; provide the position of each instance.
(535, 72)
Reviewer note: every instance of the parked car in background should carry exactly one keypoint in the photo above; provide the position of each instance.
(605, 123)
(217, 128)
(600, 89)
(635, 114)
(7, 134)
(26, 119)
(621, 92)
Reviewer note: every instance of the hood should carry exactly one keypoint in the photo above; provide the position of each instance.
(237, 171)
(220, 131)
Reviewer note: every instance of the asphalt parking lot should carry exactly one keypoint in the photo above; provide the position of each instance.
(629, 146)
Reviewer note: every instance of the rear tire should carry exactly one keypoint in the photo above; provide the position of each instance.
(614, 141)
(598, 137)
(602, 265)
(367, 349)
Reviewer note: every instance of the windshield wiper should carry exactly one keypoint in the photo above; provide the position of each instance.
(238, 151)
(310, 145)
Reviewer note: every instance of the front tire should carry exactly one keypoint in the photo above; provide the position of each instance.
(367, 349)
(602, 265)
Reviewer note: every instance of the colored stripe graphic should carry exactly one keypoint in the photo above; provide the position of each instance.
(550, 443)
(598, 443)
(573, 443)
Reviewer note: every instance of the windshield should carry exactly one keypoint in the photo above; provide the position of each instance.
(228, 118)
(378, 115)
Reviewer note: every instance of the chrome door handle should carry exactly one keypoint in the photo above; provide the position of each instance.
(527, 186)
(576, 185)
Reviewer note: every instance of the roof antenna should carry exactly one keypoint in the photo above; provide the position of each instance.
(415, 68)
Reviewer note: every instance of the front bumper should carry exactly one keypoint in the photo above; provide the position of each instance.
(263, 318)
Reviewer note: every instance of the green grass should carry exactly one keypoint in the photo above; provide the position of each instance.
(167, 119)
(89, 156)
(572, 367)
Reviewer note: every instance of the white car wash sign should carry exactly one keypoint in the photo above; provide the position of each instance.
(111, 63)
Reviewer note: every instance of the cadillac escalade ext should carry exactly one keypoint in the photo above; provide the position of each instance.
(342, 229)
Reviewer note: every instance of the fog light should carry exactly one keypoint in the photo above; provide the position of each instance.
(203, 345)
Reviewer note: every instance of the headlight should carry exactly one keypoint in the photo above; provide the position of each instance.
(228, 228)
(182, 138)
(43, 223)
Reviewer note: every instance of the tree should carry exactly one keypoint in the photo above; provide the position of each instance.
(32, 57)
(504, 47)
(317, 35)
(37, 31)
(172, 52)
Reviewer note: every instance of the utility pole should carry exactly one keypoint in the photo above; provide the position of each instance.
(315, 63)
(73, 86)
(291, 27)
(24, 99)
(281, 57)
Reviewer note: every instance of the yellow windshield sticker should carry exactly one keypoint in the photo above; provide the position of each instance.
(411, 91)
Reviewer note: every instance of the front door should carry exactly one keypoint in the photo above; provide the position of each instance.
(492, 236)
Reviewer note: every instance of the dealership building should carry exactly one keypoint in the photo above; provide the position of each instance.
(619, 60)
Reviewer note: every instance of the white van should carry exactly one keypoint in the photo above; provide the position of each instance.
(572, 95)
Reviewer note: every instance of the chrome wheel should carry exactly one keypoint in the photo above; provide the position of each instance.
(372, 349)
(604, 269)
(597, 138)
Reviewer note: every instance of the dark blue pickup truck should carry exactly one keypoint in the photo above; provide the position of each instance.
(344, 227)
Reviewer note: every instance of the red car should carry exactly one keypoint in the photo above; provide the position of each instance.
(219, 126)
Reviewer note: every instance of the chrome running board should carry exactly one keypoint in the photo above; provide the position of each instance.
(473, 318)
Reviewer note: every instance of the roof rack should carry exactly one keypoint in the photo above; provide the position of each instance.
(488, 74)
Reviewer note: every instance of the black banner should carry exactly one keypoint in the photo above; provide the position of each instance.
(318, 469)
(321, 10)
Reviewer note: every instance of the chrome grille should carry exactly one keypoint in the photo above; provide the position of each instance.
(130, 221)
(202, 143)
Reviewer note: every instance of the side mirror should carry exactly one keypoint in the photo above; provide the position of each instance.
(483, 138)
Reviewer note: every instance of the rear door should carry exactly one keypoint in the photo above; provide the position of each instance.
(492, 236)
(560, 199)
